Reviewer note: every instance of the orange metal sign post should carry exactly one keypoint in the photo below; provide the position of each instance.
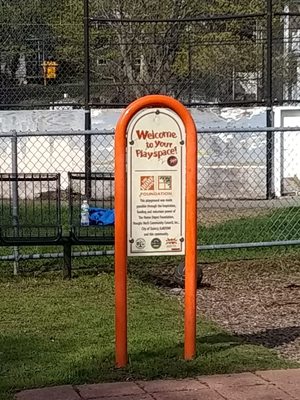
(121, 224)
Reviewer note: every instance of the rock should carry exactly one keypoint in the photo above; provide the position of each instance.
(176, 291)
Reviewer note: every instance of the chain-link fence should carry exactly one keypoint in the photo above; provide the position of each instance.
(41, 53)
(198, 61)
(43, 181)
(43, 184)
(233, 205)
(63, 55)
(77, 53)
(285, 54)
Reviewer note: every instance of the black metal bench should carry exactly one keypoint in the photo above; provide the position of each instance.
(98, 190)
(30, 209)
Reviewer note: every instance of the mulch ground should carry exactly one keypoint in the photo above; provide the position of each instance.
(258, 300)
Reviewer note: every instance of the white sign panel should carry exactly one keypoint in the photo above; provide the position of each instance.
(156, 183)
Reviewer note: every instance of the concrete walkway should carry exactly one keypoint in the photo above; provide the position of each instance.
(268, 385)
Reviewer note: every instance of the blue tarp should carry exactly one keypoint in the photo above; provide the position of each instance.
(101, 216)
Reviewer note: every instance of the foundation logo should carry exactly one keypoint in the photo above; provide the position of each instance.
(156, 243)
(147, 182)
(140, 243)
(172, 243)
(165, 183)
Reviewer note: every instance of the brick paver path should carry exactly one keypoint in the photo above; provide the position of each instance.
(266, 385)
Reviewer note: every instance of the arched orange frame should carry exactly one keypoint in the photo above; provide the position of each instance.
(121, 225)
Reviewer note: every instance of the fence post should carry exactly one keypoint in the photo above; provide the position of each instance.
(15, 197)
(87, 110)
(270, 192)
(190, 66)
(67, 268)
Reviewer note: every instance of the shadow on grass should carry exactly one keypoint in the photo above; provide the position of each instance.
(28, 362)
(31, 361)
(216, 354)
(35, 361)
(272, 338)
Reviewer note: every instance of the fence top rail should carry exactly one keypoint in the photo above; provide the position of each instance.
(103, 176)
(250, 130)
(56, 133)
(203, 18)
(14, 134)
(28, 177)
(287, 14)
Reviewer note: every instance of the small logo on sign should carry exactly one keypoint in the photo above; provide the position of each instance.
(156, 243)
(172, 161)
(171, 242)
(147, 182)
(140, 243)
(165, 183)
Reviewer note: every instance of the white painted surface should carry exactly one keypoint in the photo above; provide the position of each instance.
(43, 154)
(291, 144)
(225, 149)
(287, 146)
(204, 118)
(230, 164)
(41, 120)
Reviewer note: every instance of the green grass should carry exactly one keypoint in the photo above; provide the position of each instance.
(279, 224)
(55, 332)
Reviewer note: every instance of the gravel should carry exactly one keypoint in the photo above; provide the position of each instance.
(258, 301)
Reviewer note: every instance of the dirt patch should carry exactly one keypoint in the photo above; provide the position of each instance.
(256, 300)
(214, 211)
(209, 217)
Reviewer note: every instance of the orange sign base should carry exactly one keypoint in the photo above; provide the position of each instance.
(121, 225)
